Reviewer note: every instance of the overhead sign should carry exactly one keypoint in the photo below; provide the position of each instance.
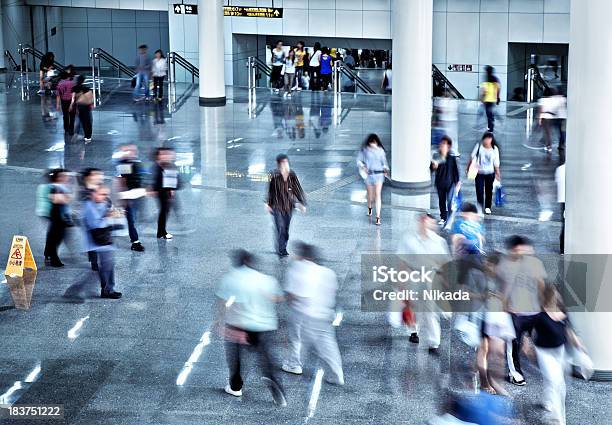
(21, 272)
(253, 12)
(185, 9)
(460, 68)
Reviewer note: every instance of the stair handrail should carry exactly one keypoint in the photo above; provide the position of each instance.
(174, 58)
(26, 48)
(261, 65)
(438, 76)
(100, 53)
(10, 57)
(353, 76)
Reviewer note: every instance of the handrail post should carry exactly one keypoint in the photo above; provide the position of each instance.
(93, 76)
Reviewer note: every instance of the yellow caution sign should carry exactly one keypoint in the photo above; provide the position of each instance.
(21, 272)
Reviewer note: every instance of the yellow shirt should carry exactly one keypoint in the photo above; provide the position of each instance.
(489, 92)
(299, 54)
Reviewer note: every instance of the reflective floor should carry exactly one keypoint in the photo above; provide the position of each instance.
(151, 358)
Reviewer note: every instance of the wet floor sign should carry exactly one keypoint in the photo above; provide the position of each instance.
(21, 272)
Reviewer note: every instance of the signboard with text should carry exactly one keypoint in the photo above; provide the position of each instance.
(253, 12)
(185, 9)
(460, 68)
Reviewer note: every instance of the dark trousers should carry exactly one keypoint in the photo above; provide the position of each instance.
(548, 126)
(55, 235)
(92, 257)
(562, 235)
(131, 208)
(522, 324)
(261, 342)
(276, 79)
(484, 189)
(69, 116)
(158, 87)
(106, 270)
(282, 221)
(86, 120)
(164, 209)
(489, 110)
(445, 201)
(325, 81)
(299, 73)
(315, 75)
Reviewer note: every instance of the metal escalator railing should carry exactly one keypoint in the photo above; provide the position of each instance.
(341, 69)
(440, 82)
(24, 50)
(96, 57)
(535, 83)
(99, 54)
(11, 59)
(176, 59)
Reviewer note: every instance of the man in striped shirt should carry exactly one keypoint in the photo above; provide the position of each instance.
(284, 193)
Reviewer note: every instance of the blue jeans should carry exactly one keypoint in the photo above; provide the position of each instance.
(141, 78)
(131, 208)
(106, 270)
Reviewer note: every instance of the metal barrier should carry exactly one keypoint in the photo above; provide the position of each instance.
(24, 50)
(174, 59)
(341, 69)
(11, 59)
(534, 82)
(96, 56)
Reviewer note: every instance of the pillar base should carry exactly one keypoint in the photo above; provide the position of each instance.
(412, 186)
(213, 101)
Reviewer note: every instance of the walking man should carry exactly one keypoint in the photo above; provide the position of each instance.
(284, 194)
(143, 71)
(312, 295)
(99, 239)
(129, 170)
(247, 318)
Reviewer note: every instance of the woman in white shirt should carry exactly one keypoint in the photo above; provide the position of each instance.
(485, 159)
(159, 70)
(289, 72)
(315, 66)
(278, 60)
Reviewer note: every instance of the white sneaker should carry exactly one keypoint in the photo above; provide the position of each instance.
(276, 90)
(167, 236)
(299, 89)
(87, 141)
(487, 211)
(296, 370)
(441, 223)
(229, 390)
(288, 94)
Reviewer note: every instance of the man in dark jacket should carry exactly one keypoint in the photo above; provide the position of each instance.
(129, 170)
(284, 192)
(165, 183)
(447, 177)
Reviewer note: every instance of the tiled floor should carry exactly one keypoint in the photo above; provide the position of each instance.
(122, 366)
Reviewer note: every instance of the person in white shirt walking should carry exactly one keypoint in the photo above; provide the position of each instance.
(312, 293)
(159, 71)
(425, 248)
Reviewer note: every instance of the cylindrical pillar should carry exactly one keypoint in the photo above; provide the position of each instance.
(589, 111)
(211, 52)
(2, 64)
(412, 87)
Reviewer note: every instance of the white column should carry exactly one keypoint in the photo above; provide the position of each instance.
(2, 65)
(412, 87)
(211, 52)
(588, 172)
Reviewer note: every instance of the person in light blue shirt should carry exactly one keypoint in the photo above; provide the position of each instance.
(96, 221)
(247, 310)
(468, 232)
(373, 167)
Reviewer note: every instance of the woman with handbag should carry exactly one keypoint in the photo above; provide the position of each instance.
(82, 101)
(483, 168)
(97, 222)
